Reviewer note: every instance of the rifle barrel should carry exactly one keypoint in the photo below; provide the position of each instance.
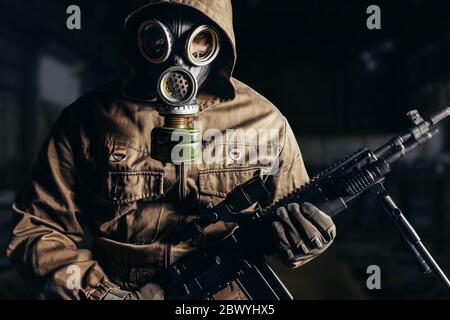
(441, 115)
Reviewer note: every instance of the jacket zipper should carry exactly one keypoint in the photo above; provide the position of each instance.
(182, 192)
(169, 246)
(182, 174)
(168, 253)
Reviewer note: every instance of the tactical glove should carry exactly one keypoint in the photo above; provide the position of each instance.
(302, 233)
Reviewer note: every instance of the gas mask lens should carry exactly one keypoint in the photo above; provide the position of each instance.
(202, 46)
(155, 41)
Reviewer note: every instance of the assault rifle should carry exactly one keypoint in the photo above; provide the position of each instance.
(203, 274)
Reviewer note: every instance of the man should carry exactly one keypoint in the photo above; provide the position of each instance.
(108, 164)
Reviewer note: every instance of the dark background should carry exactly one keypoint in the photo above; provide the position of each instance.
(341, 86)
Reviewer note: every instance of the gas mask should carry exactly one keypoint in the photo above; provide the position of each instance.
(179, 54)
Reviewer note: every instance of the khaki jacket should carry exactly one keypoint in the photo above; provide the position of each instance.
(98, 209)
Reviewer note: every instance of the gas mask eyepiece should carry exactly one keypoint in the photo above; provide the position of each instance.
(202, 46)
(156, 43)
(182, 61)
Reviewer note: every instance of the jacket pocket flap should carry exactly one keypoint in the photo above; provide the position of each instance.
(220, 182)
(126, 187)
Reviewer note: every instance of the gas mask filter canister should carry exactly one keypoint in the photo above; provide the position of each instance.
(178, 84)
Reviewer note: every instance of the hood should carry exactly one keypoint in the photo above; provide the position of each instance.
(219, 12)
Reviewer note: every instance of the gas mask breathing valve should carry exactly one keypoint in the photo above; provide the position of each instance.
(177, 141)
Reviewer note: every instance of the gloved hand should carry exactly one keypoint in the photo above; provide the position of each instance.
(150, 291)
(302, 233)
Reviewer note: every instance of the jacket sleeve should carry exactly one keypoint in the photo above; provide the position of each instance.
(46, 240)
(289, 171)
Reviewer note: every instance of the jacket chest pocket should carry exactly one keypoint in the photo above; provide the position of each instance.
(128, 192)
(120, 192)
(215, 184)
(122, 174)
(126, 187)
